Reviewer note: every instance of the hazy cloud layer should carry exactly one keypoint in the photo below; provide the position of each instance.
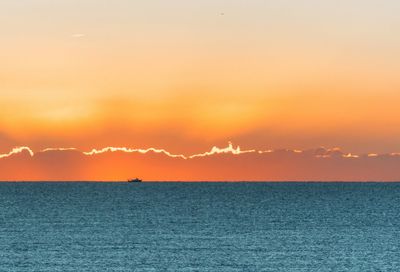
(230, 163)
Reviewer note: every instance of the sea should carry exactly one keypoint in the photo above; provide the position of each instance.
(202, 226)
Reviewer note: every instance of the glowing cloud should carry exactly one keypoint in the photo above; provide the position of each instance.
(132, 150)
(215, 150)
(230, 149)
(17, 150)
(349, 155)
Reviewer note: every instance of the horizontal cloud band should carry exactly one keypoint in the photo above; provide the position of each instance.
(230, 149)
(229, 163)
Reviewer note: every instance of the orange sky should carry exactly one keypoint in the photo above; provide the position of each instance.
(188, 75)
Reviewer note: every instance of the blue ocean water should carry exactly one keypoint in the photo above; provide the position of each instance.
(200, 227)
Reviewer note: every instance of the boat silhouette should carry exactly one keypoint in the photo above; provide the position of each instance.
(134, 180)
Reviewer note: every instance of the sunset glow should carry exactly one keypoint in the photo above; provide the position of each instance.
(165, 81)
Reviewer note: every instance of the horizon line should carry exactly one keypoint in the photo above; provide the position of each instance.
(202, 181)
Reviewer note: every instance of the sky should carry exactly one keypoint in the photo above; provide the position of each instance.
(185, 76)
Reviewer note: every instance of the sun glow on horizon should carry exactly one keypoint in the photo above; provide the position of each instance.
(278, 77)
